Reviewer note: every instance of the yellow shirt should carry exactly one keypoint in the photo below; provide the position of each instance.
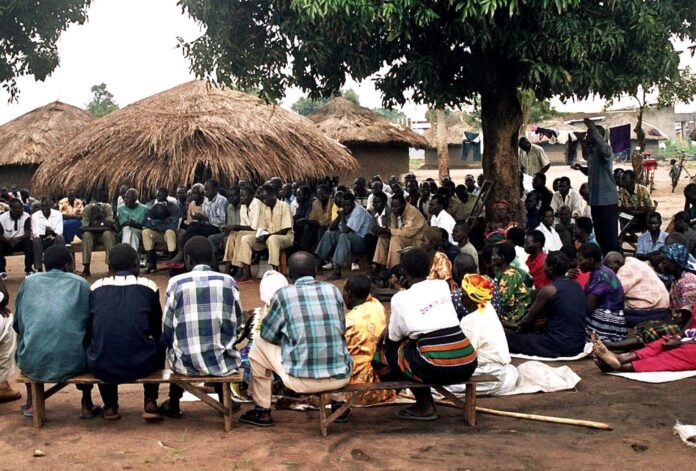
(276, 219)
(67, 209)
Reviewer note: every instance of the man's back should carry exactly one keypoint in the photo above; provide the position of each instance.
(125, 328)
(52, 311)
(306, 319)
(201, 316)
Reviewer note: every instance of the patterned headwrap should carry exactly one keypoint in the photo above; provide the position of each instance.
(679, 255)
(501, 204)
(479, 288)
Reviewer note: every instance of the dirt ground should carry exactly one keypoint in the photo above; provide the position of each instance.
(642, 417)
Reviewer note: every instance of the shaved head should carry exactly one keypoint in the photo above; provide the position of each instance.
(614, 261)
(301, 264)
(463, 265)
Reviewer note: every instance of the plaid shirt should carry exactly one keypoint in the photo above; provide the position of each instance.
(306, 319)
(201, 316)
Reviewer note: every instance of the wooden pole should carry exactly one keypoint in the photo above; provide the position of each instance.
(545, 418)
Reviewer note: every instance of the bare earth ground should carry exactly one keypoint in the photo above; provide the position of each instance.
(642, 416)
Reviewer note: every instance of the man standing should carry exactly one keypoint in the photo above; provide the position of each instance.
(46, 229)
(406, 224)
(201, 317)
(274, 233)
(533, 159)
(131, 218)
(97, 226)
(15, 236)
(346, 236)
(603, 198)
(302, 340)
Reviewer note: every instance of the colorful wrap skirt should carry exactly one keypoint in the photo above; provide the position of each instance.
(609, 325)
(440, 357)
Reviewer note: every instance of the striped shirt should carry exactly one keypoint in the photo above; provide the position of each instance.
(201, 316)
(306, 319)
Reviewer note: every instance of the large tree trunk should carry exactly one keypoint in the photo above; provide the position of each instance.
(501, 118)
(441, 143)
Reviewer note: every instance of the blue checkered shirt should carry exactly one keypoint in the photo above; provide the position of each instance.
(307, 321)
(201, 316)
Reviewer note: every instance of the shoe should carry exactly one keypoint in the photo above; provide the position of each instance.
(354, 267)
(253, 417)
(168, 409)
(110, 414)
(151, 412)
(8, 395)
(343, 418)
(3, 275)
(328, 266)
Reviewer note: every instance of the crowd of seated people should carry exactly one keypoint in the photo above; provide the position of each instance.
(538, 284)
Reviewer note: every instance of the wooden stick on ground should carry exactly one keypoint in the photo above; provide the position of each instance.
(538, 418)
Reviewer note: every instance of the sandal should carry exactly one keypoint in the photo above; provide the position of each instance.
(253, 417)
(95, 411)
(409, 414)
(167, 409)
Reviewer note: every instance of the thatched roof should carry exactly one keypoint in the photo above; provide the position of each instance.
(456, 126)
(39, 134)
(193, 129)
(351, 124)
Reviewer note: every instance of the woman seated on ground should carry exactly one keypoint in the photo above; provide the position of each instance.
(675, 353)
(434, 244)
(482, 327)
(423, 341)
(514, 285)
(604, 297)
(561, 305)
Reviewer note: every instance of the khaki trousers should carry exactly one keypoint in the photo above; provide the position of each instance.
(274, 243)
(387, 250)
(233, 242)
(107, 238)
(7, 345)
(266, 359)
(152, 237)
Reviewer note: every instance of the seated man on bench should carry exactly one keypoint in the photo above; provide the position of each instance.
(97, 226)
(423, 342)
(52, 310)
(201, 318)
(302, 340)
(124, 330)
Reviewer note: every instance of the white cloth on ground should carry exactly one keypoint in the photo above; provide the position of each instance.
(587, 350)
(655, 377)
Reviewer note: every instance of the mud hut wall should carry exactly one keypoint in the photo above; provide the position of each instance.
(385, 161)
(18, 175)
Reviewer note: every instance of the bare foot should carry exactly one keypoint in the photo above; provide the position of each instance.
(602, 353)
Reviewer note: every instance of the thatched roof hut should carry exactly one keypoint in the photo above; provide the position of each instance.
(457, 125)
(36, 136)
(380, 146)
(188, 133)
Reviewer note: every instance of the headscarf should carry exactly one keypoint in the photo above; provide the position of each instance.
(271, 282)
(679, 254)
(479, 288)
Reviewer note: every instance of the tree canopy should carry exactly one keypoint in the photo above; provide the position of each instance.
(29, 30)
(102, 102)
(305, 106)
(444, 53)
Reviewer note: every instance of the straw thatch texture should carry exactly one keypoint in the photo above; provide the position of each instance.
(39, 134)
(193, 129)
(352, 125)
(456, 127)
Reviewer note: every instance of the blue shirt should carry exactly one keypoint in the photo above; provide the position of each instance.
(307, 321)
(359, 221)
(645, 243)
(52, 311)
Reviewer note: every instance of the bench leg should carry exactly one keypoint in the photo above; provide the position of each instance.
(227, 404)
(470, 404)
(325, 420)
(38, 403)
(323, 425)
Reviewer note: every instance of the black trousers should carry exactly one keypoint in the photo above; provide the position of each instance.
(24, 246)
(109, 394)
(198, 229)
(606, 227)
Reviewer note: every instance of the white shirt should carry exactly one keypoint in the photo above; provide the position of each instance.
(249, 216)
(521, 257)
(486, 334)
(444, 221)
(553, 240)
(573, 200)
(12, 228)
(424, 307)
(39, 223)
(372, 196)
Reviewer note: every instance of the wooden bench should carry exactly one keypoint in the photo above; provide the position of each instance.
(189, 383)
(355, 391)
